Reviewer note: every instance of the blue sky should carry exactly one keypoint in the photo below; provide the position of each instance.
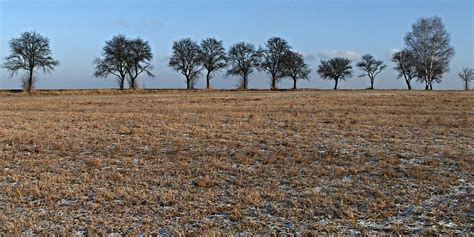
(317, 28)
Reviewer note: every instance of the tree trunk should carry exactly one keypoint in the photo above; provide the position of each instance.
(245, 83)
(30, 82)
(466, 86)
(133, 86)
(371, 83)
(122, 82)
(188, 84)
(273, 82)
(431, 86)
(294, 83)
(408, 84)
(208, 77)
(335, 85)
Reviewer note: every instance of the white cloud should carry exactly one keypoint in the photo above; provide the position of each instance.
(346, 54)
(391, 52)
(308, 56)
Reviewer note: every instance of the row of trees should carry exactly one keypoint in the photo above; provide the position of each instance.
(190, 59)
(426, 57)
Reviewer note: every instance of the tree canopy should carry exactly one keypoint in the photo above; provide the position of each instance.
(28, 53)
(467, 75)
(371, 68)
(295, 67)
(138, 60)
(213, 57)
(124, 57)
(405, 65)
(186, 59)
(335, 69)
(429, 42)
(273, 58)
(242, 58)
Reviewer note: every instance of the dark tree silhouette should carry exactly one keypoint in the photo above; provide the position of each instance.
(335, 69)
(113, 60)
(138, 60)
(429, 43)
(295, 67)
(405, 64)
(467, 75)
(186, 59)
(371, 68)
(272, 59)
(213, 57)
(243, 58)
(29, 52)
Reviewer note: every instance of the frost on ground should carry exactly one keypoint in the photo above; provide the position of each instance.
(354, 162)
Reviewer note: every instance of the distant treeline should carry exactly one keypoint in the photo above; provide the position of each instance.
(425, 57)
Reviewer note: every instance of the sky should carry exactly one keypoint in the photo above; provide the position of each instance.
(319, 29)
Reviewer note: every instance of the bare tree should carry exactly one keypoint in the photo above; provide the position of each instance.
(29, 52)
(295, 67)
(242, 58)
(335, 69)
(371, 68)
(429, 43)
(113, 60)
(467, 75)
(186, 59)
(272, 59)
(213, 57)
(405, 64)
(138, 60)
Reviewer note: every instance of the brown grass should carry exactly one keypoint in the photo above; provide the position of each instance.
(236, 162)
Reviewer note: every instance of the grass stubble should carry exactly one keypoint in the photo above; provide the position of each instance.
(85, 162)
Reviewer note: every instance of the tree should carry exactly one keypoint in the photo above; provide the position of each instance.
(138, 60)
(429, 43)
(405, 64)
(186, 59)
(335, 69)
(371, 68)
(213, 57)
(29, 52)
(467, 75)
(272, 59)
(114, 60)
(242, 58)
(295, 67)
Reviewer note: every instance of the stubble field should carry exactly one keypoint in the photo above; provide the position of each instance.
(85, 162)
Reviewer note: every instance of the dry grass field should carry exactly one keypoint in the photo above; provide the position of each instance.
(83, 162)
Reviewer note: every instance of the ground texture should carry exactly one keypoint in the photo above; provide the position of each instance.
(351, 162)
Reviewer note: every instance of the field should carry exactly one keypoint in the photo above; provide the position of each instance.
(104, 161)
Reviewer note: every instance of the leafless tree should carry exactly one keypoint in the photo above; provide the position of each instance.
(213, 57)
(335, 69)
(405, 64)
(113, 60)
(272, 59)
(429, 43)
(242, 58)
(29, 52)
(295, 67)
(371, 68)
(467, 75)
(138, 60)
(186, 59)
